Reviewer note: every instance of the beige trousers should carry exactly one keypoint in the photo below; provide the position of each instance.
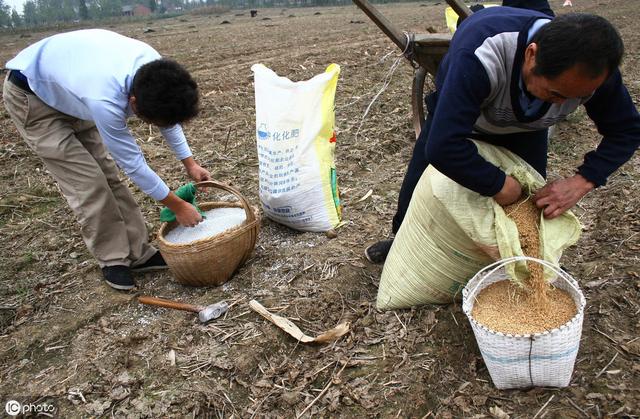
(111, 222)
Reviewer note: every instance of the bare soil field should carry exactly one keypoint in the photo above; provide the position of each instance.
(69, 340)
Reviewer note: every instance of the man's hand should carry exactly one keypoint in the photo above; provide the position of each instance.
(509, 193)
(560, 195)
(195, 171)
(186, 214)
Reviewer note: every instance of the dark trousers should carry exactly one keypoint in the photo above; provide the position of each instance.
(530, 146)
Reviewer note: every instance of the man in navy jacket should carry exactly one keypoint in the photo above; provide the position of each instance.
(510, 74)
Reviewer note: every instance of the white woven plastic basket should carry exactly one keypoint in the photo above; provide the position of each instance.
(520, 361)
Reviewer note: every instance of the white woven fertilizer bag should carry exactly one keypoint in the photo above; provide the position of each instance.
(295, 134)
(522, 361)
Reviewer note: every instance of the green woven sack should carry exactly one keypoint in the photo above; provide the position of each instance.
(449, 233)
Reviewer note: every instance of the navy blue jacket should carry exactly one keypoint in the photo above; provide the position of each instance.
(477, 90)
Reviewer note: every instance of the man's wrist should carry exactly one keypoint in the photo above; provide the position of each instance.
(173, 202)
(583, 183)
(189, 162)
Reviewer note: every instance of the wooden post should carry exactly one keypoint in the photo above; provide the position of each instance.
(460, 8)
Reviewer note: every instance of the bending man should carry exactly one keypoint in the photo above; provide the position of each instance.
(510, 74)
(70, 96)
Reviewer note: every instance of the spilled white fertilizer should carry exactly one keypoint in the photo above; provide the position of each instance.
(217, 220)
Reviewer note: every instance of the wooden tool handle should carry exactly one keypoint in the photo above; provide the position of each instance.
(152, 301)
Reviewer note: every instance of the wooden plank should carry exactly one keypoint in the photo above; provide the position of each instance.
(432, 39)
(430, 51)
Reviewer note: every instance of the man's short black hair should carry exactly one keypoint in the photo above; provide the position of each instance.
(165, 92)
(577, 38)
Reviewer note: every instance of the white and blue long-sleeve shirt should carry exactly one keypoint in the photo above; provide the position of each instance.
(88, 74)
(479, 95)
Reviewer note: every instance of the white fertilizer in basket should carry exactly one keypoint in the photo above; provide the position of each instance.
(216, 221)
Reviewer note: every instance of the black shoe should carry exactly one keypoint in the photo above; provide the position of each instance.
(155, 263)
(377, 252)
(118, 277)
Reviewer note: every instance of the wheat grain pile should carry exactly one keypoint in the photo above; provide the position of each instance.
(506, 307)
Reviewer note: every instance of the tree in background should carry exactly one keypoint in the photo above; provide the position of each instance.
(5, 15)
(69, 10)
(45, 12)
(30, 13)
(50, 11)
(16, 20)
(94, 9)
(109, 8)
(83, 12)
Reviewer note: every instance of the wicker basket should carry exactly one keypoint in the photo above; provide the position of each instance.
(212, 260)
(522, 361)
